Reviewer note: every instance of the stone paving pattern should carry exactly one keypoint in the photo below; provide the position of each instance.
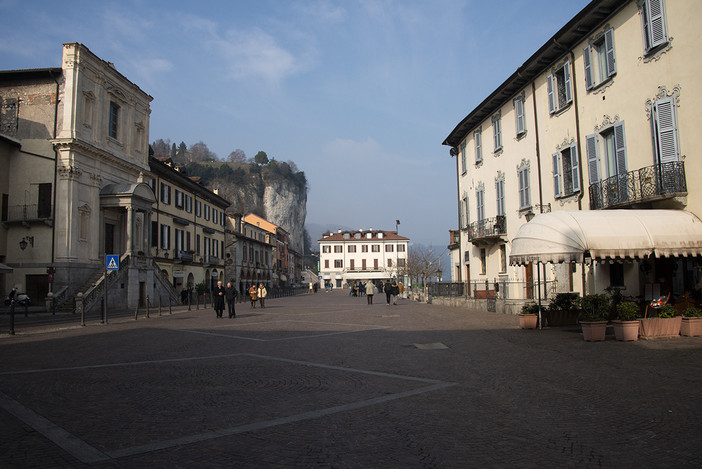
(325, 380)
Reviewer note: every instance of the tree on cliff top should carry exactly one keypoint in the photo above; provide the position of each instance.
(261, 158)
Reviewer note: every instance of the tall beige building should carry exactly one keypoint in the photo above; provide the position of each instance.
(601, 118)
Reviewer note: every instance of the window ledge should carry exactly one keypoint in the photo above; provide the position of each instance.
(603, 85)
(656, 53)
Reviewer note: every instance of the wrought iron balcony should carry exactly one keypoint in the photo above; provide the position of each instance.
(27, 213)
(661, 181)
(487, 230)
(183, 256)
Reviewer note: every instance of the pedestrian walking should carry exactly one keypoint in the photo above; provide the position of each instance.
(253, 294)
(388, 293)
(370, 291)
(395, 292)
(218, 301)
(310, 289)
(231, 299)
(262, 292)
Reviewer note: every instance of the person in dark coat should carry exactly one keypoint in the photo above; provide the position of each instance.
(218, 300)
(388, 293)
(230, 295)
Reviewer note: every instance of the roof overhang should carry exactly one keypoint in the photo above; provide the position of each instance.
(573, 235)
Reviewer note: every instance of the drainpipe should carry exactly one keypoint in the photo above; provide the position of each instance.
(454, 152)
(539, 265)
(53, 212)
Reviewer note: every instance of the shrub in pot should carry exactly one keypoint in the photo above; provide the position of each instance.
(593, 317)
(667, 324)
(626, 327)
(563, 310)
(691, 323)
(529, 316)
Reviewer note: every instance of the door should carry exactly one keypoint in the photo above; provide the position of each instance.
(529, 280)
(109, 238)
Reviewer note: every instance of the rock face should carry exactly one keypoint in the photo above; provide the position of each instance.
(279, 201)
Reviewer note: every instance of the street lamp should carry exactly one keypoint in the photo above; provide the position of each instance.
(26, 240)
(438, 275)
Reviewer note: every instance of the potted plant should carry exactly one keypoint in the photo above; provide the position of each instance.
(200, 289)
(626, 327)
(563, 310)
(529, 316)
(691, 323)
(593, 317)
(667, 324)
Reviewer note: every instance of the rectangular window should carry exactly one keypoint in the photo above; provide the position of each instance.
(524, 195)
(615, 151)
(338, 264)
(520, 120)
(114, 120)
(503, 259)
(363, 264)
(483, 261)
(599, 60)
(497, 131)
(665, 133)
(44, 200)
(352, 248)
(188, 204)
(207, 212)
(401, 262)
(326, 249)
(179, 199)
(165, 194)
(560, 93)
(197, 245)
(389, 262)
(215, 215)
(364, 248)
(352, 264)
(400, 248)
(500, 193)
(375, 248)
(338, 248)
(480, 202)
(178, 239)
(477, 137)
(198, 208)
(464, 168)
(165, 237)
(154, 234)
(326, 263)
(566, 174)
(389, 248)
(375, 264)
(655, 31)
(593, 163)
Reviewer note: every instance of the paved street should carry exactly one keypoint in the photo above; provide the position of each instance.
(327, 381)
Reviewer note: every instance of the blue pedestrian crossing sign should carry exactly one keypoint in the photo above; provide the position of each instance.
(112, 262)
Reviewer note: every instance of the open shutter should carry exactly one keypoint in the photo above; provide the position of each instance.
(593, 166)
(575, 168)
(609, 48)
(588, 67)
(666, 138)
(551, 96)
(620, 148)
(519, 111)
(655, 24)
(566, 75)
(556, 174)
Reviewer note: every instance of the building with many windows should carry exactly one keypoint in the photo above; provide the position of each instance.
(286, 261)
(601, 118)
(187, 227)
(250, 256)
(347, 256)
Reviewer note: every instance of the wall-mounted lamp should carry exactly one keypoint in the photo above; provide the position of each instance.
(26, 240)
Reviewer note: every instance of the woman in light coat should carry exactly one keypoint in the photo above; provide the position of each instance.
(262, 292)
(370, 291)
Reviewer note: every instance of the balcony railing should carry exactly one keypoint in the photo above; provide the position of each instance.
(641, 185)
(487, 228)
(183, 256)
(27, 213)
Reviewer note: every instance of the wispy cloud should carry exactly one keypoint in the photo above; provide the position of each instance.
(324, 11)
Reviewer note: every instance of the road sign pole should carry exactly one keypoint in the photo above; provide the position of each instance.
(104, 311)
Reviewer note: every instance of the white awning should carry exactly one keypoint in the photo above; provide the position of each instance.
(568, 235)
(5, 269)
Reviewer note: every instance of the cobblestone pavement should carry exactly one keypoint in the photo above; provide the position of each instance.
(326, 380)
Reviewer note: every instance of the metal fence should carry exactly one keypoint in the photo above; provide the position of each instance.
(499, 289)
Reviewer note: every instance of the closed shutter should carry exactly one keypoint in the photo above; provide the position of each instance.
(519, 111)
(609, 49)
(551, 96)
(592, 160)
(666, 135)
(556, 174)
(655, 24)
(566, 75)
(575, 168)
(620, 148)
(588, 67)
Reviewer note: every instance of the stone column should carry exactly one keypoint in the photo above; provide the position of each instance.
(130, 230)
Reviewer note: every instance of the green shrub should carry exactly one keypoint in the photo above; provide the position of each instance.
(595, 307)
(627, 311)
(565, 302)
(666, 311)
(692, 312)
(530, 308)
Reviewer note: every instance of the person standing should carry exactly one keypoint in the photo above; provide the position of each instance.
(310, 289)
(253, 294)
(262, 292)
(388, 293)
(231, 298)
(370, 291)
(395, 292)
(218, 302)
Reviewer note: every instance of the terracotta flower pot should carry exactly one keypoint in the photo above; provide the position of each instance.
(594, 331)
(660, 327)
(626, 330)
(691, 327)
(528, 321)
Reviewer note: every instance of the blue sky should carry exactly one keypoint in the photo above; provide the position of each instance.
(359, 94)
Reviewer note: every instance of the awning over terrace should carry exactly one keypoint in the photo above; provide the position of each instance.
(571, 235)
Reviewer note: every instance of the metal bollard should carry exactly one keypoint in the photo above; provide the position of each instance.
(159, 305)
(189, 300)
(12, 318)
(147, 307)
(197, 303)
(170, 303)
(136, 313)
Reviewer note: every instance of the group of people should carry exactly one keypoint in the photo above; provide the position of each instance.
(391, 289)
(227, 295)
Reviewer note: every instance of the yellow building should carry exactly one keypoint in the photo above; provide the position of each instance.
(601, 117)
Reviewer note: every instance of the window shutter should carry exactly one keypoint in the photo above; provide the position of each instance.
(551, 96)
(478, 147)
(519, 111)
(655, 24)
(556, 174)
(575, 168)
(588, 68)
(592, 161)
(566, 74)
(609, 48)
(620, 148)
(666, 138)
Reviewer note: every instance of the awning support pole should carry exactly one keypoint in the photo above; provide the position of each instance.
(538, 280)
